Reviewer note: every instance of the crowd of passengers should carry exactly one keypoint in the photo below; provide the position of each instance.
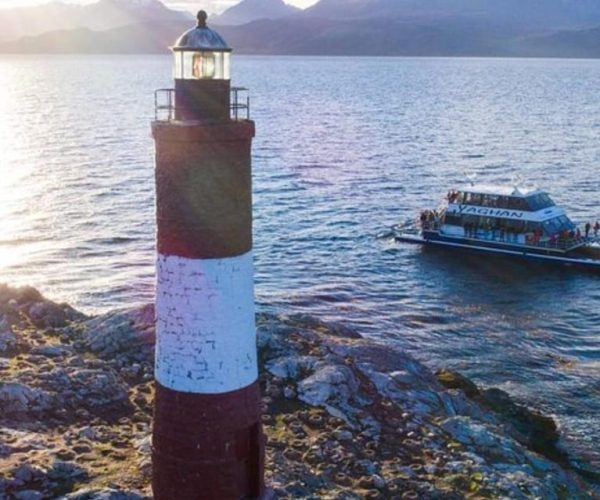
(504, 232)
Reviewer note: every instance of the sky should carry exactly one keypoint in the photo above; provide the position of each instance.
(191, 5)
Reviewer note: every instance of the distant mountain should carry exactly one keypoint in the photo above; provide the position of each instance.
(99, 16)
(370, 37)
(533, 14)
(250, 10)
(359, 27)
(141, 38)
(567, 44)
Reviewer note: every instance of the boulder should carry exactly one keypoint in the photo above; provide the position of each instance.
(8, 342)
(104, 494)
(330, 384)
(118, 332)
(51, 351)
(537, 431)
(19, 399)
(28, 495)
(291, 367)
(454, 380)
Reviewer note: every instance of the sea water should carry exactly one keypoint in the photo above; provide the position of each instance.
(345, 148)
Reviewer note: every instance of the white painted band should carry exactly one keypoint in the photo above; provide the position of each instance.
(205, 325)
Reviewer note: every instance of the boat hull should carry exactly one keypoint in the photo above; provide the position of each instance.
(433, 238)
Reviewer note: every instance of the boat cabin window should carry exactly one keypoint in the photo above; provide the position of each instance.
(517, 204)
(495, 201)
(453, 220)
(539, 202)
(550, 226)
(558, 224)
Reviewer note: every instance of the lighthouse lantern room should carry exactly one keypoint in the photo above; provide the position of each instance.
(202, 74)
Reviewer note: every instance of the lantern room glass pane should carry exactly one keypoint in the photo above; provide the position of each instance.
(178, 66)
(226, 66)
(202, 65)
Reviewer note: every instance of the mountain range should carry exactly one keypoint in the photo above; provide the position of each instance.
(99, 16)
(252, 10)
(541, 28)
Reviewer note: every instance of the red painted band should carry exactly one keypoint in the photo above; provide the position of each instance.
(204, 191)
(207, 447)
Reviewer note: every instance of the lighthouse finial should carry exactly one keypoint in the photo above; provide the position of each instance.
(202, 17)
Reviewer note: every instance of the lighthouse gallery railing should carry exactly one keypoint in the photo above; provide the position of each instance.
(165, 105)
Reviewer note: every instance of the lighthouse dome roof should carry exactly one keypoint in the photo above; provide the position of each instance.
(201, 38)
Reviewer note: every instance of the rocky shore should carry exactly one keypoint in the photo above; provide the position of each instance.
(345, 417)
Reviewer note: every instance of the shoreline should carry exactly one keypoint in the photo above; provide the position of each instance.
(345, 417)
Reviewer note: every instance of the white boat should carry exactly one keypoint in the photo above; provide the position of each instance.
(508, 221)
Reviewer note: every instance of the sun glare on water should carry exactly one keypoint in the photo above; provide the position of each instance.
(13, 168)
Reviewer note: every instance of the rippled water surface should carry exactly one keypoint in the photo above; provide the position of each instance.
(346, 147)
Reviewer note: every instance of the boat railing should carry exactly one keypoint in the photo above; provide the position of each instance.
(432, 225)
(560, 243)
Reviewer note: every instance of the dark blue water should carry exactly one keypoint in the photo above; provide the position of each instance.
(345, 148)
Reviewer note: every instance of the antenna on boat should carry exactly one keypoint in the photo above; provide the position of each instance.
(471, 176)
(517, 180)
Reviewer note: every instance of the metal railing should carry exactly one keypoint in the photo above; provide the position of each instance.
(165, 107)
(240, 103)
(497, 236)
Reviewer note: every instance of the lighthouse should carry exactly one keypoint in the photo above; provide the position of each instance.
(207, 437)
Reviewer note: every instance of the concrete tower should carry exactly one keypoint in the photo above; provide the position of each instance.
(207, 437)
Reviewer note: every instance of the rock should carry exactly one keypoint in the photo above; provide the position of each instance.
(88, 388)
(453, 380)
(378, 482)
(132, 371)
(129, 331)
(537, 431)
(468, 432)
(144, 445)
(28, 495)
(8, 342)
(47, 314)
(62, 470)
(341, 435)
(291, 367)
(289, 392)
(329, 384)
(20, 295)
(51, 351)
(27, 472)
(104, 494)
(18, 399)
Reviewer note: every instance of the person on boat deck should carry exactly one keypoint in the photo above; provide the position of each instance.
(596, 228)
(578, 234)
(588, 227)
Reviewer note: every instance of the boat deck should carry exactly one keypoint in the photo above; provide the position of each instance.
(525, 252)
